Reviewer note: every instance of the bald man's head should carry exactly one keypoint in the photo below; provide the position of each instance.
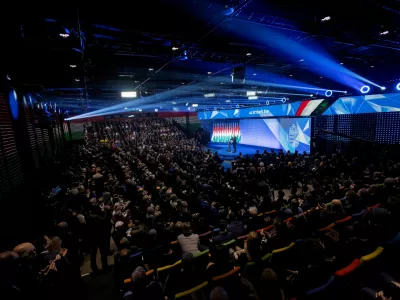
(25, 250)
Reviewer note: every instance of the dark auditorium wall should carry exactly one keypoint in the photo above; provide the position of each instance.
(381, 128)
(31, 141)
(365, 135)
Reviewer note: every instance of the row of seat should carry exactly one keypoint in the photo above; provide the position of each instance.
(340, 275)
(337, 277)
(233, 241)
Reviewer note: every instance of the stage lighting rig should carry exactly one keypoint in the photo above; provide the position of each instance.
(365, 89)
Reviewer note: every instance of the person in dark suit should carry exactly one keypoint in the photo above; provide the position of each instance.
(234, 139)
(99, 237)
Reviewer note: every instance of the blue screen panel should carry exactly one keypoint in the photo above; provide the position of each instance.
(260, 132)
(282, 110)
(365, 104)
(286, 134)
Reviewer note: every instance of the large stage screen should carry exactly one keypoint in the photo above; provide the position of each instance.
(284, 133)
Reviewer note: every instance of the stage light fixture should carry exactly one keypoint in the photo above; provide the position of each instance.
(64, 35)
(253, 98)
(383, 88)
(125, 108)
(365, 89)
(156, 109)
(209, 95)
(195, 105)
(129, 94)
(151, 69)
(72, 66)
(398, 86)
(251, 93)
(328, 93)
(77, 79)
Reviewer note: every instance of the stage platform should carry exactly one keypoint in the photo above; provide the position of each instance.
(245, 149)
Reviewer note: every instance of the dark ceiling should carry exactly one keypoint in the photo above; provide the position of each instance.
(130, 47)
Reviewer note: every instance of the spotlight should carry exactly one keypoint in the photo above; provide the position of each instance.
(327, 18)
(365, 89)
(72, 66)
(328, 93)
(251, 93)
(77, 79)
(64, 35)
(129, 94)
(248, 54)
(398, 86)
(383, 88)
(253, 97)
(156, 109)
(209, 95)
(151, 69)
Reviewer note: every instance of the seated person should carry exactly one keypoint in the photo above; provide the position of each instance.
(184, 278)
(250, 253)
(254, 222)
(141, 289)
(224, 235)
(189, 241)
(280, 237)
(236, 227)
(219, 262)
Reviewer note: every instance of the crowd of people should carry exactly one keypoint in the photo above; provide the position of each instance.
(153, 190)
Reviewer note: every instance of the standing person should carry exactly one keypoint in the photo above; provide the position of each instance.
(234, 139)
(99, 238)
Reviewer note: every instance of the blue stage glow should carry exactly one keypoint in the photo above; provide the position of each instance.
(12, 100)
(318, 61)
(377, 103)
(328, 93)
(398, 86)
(365, 89)
(184, 94)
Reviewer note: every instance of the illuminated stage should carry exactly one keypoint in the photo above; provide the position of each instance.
(221, 148)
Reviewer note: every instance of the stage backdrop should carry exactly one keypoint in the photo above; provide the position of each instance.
(284, 133)
(222, 132)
